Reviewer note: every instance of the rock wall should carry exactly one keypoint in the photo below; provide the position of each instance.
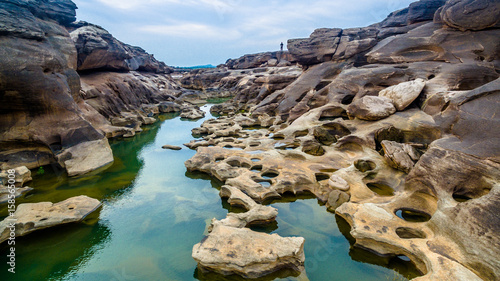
(43, 54)
(39, 88)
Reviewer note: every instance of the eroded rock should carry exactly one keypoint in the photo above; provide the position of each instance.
(371, 108)
(30, 217)
(226, 250)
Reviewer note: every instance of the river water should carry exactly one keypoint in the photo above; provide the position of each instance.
(154, 212)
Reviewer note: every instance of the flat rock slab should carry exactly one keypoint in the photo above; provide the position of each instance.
(30, 217)
(229, 250)
(171, 147)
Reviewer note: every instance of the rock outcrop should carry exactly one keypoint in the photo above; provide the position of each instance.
(99, 50)
(40, 86)
(30, 217)
(421, 182)
(260, 60)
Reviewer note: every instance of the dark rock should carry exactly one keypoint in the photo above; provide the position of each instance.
(169, 107)
(256, 60)
(313, 147)
(323, 136)
(336, 199)
(99, 50)
(470, 14)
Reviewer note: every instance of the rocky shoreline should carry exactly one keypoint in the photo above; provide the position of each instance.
(393, 127)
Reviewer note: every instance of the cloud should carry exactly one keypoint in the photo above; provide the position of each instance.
(192, 30)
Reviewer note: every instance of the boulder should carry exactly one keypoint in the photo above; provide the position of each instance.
(471, 14)
(169, 107)
(78, 161)
(229, 250)
(21, 175)
(323, 136)
(403, 94)
(371, 108)
(192, 113)
(398, 155)
(336, 199)
(30, 217)
(337, 182)
(313, 147)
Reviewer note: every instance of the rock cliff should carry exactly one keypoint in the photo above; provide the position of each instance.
(74, 80)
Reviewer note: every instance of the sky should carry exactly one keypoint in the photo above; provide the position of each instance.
(199, 32)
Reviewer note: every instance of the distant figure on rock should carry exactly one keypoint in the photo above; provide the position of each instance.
(281, 46)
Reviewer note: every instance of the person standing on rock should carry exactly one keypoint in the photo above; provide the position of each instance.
(281, 46)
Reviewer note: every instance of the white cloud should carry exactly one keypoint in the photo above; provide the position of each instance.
(192, 30)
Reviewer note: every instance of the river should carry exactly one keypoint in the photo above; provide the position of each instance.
(154, 212)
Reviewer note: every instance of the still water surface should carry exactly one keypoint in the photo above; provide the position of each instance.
(154, 212)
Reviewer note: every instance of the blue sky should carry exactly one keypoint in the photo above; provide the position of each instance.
(196, 32)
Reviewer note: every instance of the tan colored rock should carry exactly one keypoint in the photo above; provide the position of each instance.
(21, 176)
(229, 250)
(338, 183)
(86, 157)
(403, 94)
(371, 108)
(171, 147)
(397, 156)
(30, 217)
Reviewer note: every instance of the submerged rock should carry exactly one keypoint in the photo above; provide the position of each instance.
(30, 217)
(229, 250)
(171, 147)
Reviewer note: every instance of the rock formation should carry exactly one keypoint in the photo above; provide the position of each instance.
(77, 82)
(30, 217)
(421, 179)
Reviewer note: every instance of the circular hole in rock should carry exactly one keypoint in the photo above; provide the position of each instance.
(255, 159)
(301, 133)
(411, 215)
(365, 165)
(264, 183)
(234, 163)
(381, 189)
(218, 159)
(256, 169)
(410, 233)
(432, 76)
(270, 175)
(347, 99)
(254, 144)
(321, 177)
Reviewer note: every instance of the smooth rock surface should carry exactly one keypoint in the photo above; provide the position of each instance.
(251, 254)
(403, 94)
(371, 108)
(30, 217)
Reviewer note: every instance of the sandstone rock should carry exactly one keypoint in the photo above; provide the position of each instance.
(313, 147)
(323, 136)
(272, 62)
(78, 161)
(256, 60)
(338, 183)
(397, 157)
(226, 250)
(403, 94)
(471, 14)
(39, 84)
(171, 147)
(336, 199)
(98, 49)
(30, 217)
(192, 113)
(22, 175)
(371, 108)
(169, 107)
(5, 193)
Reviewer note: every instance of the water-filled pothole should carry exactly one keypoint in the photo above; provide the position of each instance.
(412, 215)
(256, 169)
(270, 175)
(381, 189)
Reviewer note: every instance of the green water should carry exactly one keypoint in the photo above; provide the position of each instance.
(154, 212)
